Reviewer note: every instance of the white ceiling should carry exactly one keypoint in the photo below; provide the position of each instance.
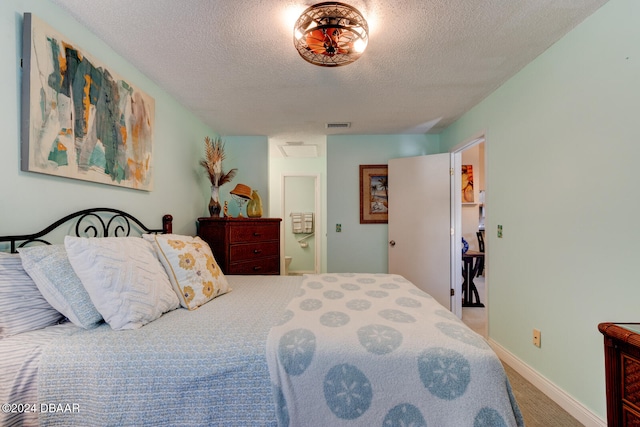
(233, 63)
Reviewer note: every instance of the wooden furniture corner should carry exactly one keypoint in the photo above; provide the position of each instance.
(622, 372)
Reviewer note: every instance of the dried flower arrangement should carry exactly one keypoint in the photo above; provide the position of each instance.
(212, 163)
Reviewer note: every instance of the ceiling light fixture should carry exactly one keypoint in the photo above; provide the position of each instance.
(331, 34)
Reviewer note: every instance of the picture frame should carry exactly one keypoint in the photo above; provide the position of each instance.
(467, 184)
(80, 119)
(374, 194)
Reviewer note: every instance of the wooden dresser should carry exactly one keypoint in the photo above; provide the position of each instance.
(243, 245)
(622, 369)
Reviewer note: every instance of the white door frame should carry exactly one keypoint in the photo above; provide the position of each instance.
(456, 232)
(317, 217)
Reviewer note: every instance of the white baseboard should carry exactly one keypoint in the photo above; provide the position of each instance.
(555, 393)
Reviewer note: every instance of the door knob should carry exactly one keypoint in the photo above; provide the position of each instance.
(392, 243)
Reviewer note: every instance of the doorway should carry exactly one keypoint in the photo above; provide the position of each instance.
(469, 220)
(425, 216)
(300, 231)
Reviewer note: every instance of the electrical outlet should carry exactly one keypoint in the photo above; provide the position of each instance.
(338, 228)
(499, 231)
(536, 337)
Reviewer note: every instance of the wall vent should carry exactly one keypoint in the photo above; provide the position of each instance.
(338, 125)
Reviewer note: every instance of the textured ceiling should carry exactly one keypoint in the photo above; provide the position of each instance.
(233, 63)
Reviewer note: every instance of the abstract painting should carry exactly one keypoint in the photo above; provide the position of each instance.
(374, 194)
(80, 119)
(467, 184)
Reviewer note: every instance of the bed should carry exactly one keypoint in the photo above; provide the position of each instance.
(327, 349)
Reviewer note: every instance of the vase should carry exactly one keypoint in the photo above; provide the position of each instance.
(254, 207)
(465, 246)
(214, 203)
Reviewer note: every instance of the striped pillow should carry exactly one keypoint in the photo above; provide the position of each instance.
(22, 306)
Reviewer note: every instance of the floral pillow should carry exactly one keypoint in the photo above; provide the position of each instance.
(192, 269)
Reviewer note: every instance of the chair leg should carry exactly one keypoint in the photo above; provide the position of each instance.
(479, 267)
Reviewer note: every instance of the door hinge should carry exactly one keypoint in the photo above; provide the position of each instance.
(451, 171)
(453, 292)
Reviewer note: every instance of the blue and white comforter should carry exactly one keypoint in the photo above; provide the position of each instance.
(205, 367)
(374, 350)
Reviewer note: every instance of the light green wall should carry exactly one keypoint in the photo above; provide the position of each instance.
(249, 155)
(361, 247)
(562, 145)
(29, 201)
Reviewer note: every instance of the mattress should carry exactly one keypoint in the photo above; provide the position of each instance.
(210, 366)
(19, 359)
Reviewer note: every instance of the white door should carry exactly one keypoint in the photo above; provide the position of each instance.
(420, 229)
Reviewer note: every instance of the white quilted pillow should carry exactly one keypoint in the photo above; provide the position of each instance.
(123, 278)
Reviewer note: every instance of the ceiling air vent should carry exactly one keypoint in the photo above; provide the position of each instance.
(343, 125)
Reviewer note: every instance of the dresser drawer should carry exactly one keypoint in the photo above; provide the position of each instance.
(631, 381)
(630, 418)
(256, 232)
(248, 251)
(243, 245)
(258, 266)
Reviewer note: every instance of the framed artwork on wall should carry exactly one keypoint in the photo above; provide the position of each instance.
(374, 192)
(80, 119)
(467, 184)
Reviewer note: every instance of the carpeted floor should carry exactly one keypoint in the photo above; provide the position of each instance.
(538, 410)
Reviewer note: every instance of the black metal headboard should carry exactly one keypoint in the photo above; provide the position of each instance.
(95, 222)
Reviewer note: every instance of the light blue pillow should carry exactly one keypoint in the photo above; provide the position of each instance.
(52, 273)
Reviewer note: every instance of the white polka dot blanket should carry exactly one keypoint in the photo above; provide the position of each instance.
(374, 350)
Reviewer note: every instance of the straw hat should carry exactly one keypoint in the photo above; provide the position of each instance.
(242, 190)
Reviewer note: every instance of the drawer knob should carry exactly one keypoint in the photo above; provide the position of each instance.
(256, 234)
(256, 268)
(257, 251)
